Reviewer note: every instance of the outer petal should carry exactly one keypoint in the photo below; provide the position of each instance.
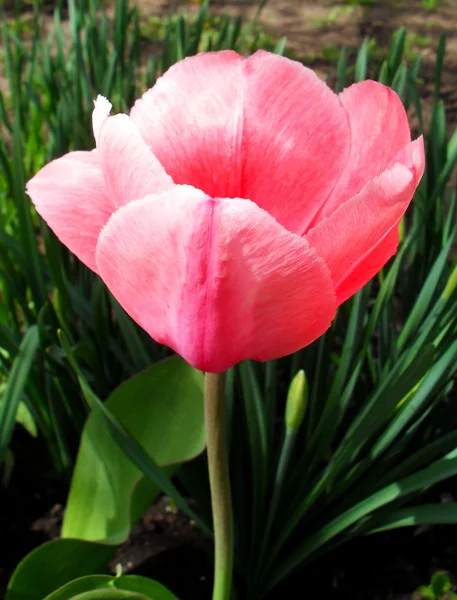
(361, 235)
(217, 280)
(130, 168)
(264, 128)
(70, 194)
(379, 129)
(102, 109)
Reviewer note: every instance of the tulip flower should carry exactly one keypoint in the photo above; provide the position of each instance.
(240, 203)
(232, 212)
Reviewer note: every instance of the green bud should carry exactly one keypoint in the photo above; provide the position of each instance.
(297, 400)
(451, 283)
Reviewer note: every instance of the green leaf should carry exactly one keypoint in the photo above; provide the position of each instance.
(15, 385)
(426, 593)
(110, 595)
(257, 435)
(147, 588)
(280, 46)
(399, 80)
(25, 418)
(437, 471)
(162, 408)
(53, 564)
(362, 60)
(440, 583)
(341, 71)
(441, 51)
(427, 514)
(396, 49)
(422, 303)
(137, 351)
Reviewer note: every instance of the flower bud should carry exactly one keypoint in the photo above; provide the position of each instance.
(297, 399)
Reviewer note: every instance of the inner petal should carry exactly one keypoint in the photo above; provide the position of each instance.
(248, 128)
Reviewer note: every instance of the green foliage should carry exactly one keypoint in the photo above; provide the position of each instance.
(13, 389)
(360, 2)
(138, 588)
(162, 408)
(439, 588)
(54, 564)
(45, 112)
(34, 580)
(380, 426)
(334, 15)
(431, 4)
(160, 414)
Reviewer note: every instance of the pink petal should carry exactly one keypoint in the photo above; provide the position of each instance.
(70, 194)
(102, 109)
(217, 280)
(131, 170)
(264, 128)
(358, 239)
(379, 129)
(369, 266)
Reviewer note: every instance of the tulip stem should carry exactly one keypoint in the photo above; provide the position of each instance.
(220, 484)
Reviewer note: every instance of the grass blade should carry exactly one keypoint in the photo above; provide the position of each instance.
(15, 385)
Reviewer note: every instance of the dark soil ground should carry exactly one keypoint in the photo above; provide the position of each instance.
(164, 545)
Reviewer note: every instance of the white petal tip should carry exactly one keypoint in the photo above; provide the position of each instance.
(102, 108)
(103, 105)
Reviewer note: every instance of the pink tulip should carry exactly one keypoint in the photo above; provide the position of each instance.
(240, 203)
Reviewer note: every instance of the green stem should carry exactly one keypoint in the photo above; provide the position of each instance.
(220, 484)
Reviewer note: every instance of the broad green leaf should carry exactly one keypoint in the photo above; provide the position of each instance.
(136, 453)
(162, 408)
(53, 564)
(149, 588)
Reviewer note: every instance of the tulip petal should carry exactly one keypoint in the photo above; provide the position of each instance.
(219, 281)
(70, 194)
(264, 128)
(131, 170)
(358, 239)
(379, 129)
(102, 109)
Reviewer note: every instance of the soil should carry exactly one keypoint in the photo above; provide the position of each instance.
(34, 488)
